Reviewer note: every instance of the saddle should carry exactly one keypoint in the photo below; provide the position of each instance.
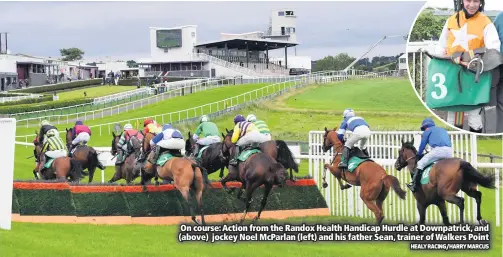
(251, 146)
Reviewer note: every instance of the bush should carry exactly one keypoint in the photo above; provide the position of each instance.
(38, 107)
(62, 86)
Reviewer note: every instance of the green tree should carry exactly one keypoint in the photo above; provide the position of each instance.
(131, 64)
(338, 62)
(71, 54)
(427, 26)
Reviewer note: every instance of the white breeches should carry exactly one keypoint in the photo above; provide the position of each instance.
(83, 138)
(362, 134)
(209, 140)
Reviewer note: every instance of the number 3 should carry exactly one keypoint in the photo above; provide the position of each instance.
(443, 88)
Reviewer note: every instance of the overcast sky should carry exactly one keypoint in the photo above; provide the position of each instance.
(490, 5)
(121, 29)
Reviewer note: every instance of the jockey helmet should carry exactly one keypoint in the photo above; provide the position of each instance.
(251, 118)
(128, 127)
(204, 118)
(428, 122)
(167, 126)
(239, 118)
(148, 121)
(348, 113)
(44, 122)
(79, 122)
(51, 133)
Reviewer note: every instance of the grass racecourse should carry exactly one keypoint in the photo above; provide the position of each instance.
(387, 104)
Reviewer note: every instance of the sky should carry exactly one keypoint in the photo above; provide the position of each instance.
(120, 30)
(490, 5)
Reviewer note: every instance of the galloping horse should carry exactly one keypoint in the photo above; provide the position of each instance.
(185, 173)
(144, 154)
(86, 155)
(279, 151)
(446, 178)
(60, 169)
(128, 170)
(211, 159)
(259, 169)
(370, 176)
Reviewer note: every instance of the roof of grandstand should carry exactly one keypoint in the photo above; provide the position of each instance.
(253, 44)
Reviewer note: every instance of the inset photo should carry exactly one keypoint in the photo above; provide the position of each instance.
(454, 55)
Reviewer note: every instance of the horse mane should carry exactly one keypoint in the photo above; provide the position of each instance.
(410, 146)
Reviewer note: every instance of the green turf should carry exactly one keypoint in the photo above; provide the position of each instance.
(93, 92)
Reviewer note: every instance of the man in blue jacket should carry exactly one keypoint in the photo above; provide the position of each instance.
(441, 148)
(498, 23)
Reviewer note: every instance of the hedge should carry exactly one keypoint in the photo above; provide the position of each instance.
(39, 107)
(61, 86)
(31, 198)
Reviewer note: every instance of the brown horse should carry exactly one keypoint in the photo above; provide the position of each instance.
(128, 170)
(211, 159)
(259, 169)
(145, 152)
(185, 173)
(86, 155)
(61, 168)
(279, 151)
(447, 177)
(370, 176)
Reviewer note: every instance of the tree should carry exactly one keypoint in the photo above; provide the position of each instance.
(427, 26)
(71, 54)
(131, 64)
(338, 62)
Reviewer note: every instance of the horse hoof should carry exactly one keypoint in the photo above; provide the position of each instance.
(483, 222)
(325, 184)
(195, 220)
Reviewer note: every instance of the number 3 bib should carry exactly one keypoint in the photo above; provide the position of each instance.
(452, 88)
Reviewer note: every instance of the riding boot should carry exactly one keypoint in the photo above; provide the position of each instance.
(344, 159)
(366, 152)
(415, 180)
(234, 160)
(476, 131)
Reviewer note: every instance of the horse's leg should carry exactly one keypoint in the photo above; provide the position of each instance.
(380, 199)
(460, 202)
(443, 212)
(267, 190)
(477, 195)
(117, 175)
(231, 176)
(249, 193)
(291, 175)
(222, 172)
(185, 194)
(421, 208)
(241, 190)
(199, 199)
(369, 197)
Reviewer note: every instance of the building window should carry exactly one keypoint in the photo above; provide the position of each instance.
(281, 13)
(402, 60)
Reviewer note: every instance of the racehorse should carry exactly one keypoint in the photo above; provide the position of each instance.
(145, 152)
(128, 170)
(259, 169)
(61, 167)
(185, 173)
(279, 151)
(211, 159)
(86, 155)
(447, 177)
(370, 176)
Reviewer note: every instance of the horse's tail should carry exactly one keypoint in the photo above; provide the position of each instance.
(96, 161)
(285, 156)
(204, 175)
(75, 169)
(473, 175)
(392, 181)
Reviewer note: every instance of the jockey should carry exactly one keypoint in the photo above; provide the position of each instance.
(361, 132)
(45, 127)
(54, 147)
(245, 133)
(206, 134)
(169, 139)
(261, 126)
(441, 147)
(81, 134)
(150, 126)
(470, 20)
(122, 145)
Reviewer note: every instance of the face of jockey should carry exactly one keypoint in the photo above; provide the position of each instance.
(471, 6)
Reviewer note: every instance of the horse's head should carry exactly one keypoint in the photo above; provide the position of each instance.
(330, 140)
(69, 135)
(136, 143)
(38, 146)
(227, 142)
(115, 140)
(406, 155)
(189, 144)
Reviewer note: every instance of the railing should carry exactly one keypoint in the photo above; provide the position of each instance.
(83, 108)
(17, 98)
(226, 64)
(120, 96)
(229, 103)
